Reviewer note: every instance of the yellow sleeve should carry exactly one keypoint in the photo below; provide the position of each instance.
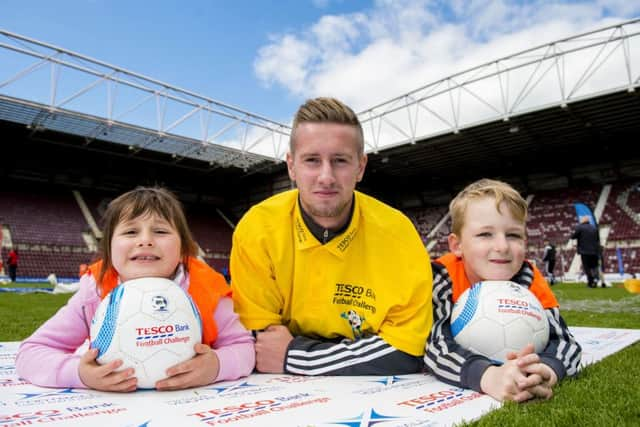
(407, 326)
(255, 295)
(409, 322)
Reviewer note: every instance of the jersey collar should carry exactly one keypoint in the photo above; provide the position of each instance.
(338, 243)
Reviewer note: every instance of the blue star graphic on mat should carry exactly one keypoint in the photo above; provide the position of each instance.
(50, 393)
(389, 380)
(223, 389)
(366, 419)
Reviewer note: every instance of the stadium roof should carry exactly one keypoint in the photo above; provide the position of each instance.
(573, 98)
(46, 87)
(597, 131)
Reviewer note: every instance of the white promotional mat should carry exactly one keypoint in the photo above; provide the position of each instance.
(269, 400)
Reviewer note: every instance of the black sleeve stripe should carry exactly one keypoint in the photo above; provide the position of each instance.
(442, 355)
(562, 345)
(367, 356)
(353, 347)
(336, 352)
(328, 365)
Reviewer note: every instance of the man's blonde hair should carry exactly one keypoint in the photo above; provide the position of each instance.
(498, 190)
(326, 110)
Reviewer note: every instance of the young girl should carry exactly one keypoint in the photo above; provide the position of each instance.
(145, 235)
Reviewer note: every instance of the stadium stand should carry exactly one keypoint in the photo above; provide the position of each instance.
(552, 216)
(47, 227)
(211, 232)
(426, 219)
(45, 218)
(622, 212)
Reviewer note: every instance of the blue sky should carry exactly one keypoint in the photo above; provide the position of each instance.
(268, 56)
(204, 46)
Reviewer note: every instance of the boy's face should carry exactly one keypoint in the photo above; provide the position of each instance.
(491, 243)
(146, 246)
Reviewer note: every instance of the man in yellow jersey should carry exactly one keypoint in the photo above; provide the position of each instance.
(332, 281)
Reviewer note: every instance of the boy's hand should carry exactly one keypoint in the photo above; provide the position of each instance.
(200, 370)
(539, 377)
(522, 377)
(105, 377)
(501, 382)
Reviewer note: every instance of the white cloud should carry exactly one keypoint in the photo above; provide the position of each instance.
(285, 61)
(397, 46)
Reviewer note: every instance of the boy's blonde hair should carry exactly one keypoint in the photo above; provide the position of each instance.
(498, 190)
(326, 110)
(140, 202)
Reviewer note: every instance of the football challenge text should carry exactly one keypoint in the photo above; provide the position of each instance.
(163, 334)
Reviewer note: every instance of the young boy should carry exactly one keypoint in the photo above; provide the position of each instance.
(488, 242)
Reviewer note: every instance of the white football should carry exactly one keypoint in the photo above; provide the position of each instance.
(149, 323)
(493, 318)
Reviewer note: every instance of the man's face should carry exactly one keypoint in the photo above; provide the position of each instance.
(326, 165)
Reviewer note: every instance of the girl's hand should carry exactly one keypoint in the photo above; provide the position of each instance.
(105, 377)
(201, 370)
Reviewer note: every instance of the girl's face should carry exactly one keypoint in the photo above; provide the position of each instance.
(491, 243)
(146, 246)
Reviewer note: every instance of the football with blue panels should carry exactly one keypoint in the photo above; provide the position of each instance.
(493, 318)
(149, 323)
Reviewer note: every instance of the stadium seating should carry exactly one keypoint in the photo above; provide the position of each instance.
(552, 214)
(211, 232)
(623, 205)
(47, 226)
(425, 219)
(213, 235)
(46, 218)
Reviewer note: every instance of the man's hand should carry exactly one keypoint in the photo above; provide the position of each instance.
(271, 349)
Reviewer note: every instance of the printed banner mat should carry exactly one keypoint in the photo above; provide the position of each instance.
(269, 400)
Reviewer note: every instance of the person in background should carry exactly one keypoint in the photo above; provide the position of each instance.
(588, 240)
(12, 264)
(549, 259)
(332, 281)
(145, 235)
(601, 267)
(487, 242)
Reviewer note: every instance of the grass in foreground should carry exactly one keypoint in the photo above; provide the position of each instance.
(603, 394)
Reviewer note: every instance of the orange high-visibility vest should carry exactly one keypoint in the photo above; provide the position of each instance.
(460, 282)
(206, 287)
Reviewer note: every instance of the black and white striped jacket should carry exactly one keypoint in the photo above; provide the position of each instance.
(453, 364)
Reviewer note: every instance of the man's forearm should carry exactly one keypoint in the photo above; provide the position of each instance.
(366, 356)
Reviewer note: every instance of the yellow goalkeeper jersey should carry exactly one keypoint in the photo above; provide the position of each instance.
(373, 279)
